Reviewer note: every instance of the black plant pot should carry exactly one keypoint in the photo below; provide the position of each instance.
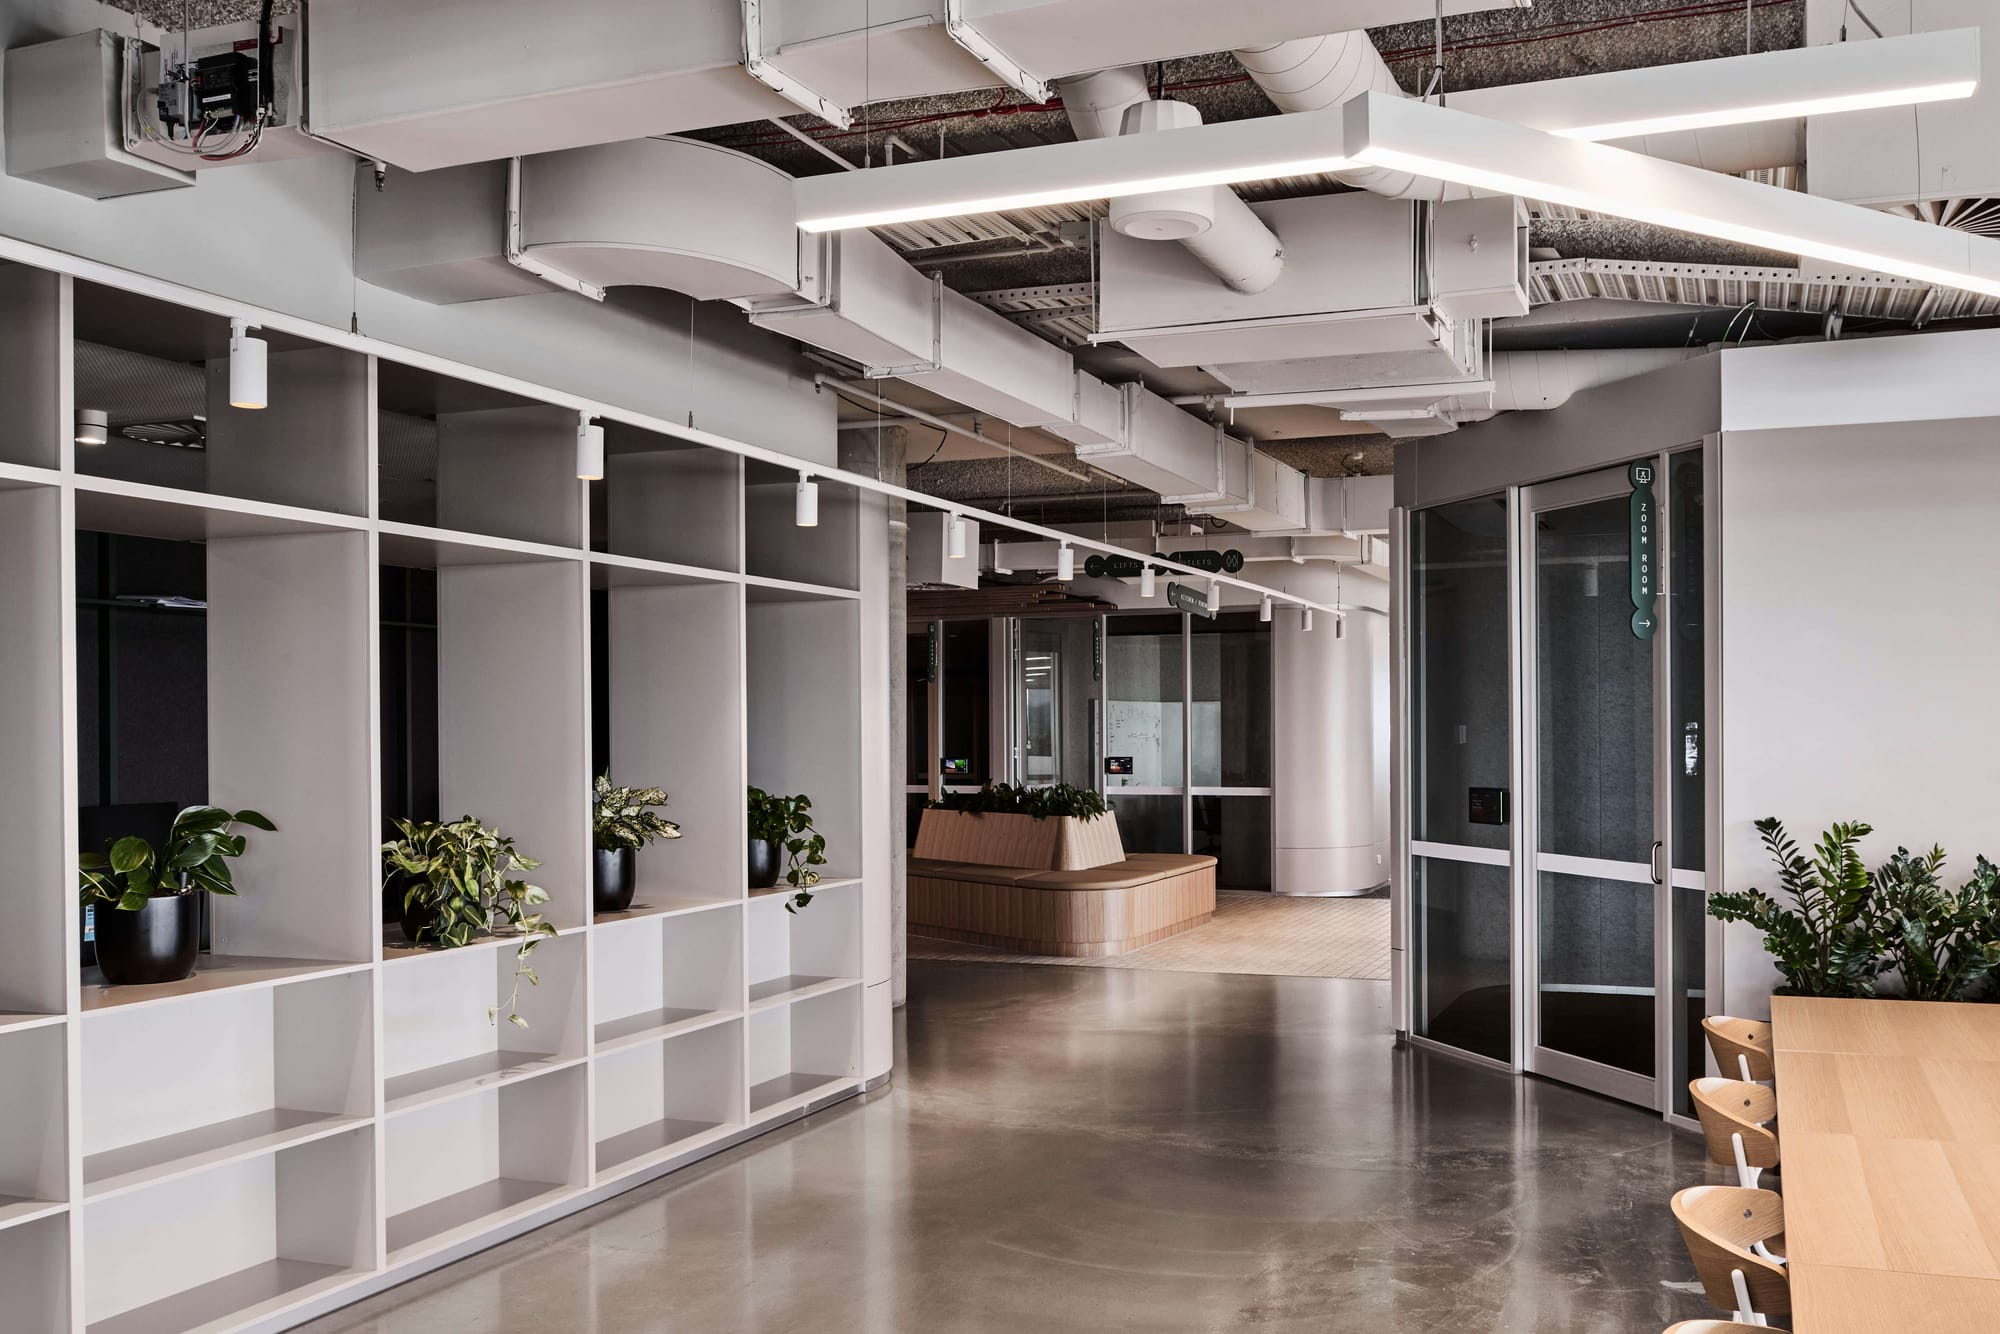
(763, 863)
(420, 917)
(615, 879)
(158, 943)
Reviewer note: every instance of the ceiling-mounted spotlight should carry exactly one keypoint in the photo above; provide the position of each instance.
(1065, 563)
(955, 537)
(1340, 627)
(1214, 599)
(589, 448)
(806, 511)
(1306, 619)
(1264, 608)
(247, 381)
(998, 568)
(93, 426)
(1147, 582)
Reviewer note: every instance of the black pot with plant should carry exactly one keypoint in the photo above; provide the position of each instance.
(148, 904)
(458, 881)
(784, 844)
(622, 821)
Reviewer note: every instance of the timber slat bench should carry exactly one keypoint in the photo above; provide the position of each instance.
(1051, 905)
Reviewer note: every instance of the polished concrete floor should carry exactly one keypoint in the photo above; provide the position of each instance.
(1069, 1149)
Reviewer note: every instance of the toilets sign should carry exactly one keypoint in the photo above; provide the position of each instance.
(1645, 550)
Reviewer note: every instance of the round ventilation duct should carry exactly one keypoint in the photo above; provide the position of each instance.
(1169, 215)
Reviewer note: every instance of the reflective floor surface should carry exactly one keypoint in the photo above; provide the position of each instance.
(1099, 1149)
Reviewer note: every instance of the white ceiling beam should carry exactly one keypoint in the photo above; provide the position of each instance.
(1453, 145)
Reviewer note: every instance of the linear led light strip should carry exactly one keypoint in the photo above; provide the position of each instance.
(1894, 71)
(1455, 146)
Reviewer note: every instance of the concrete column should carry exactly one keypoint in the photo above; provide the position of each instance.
(1329, 748)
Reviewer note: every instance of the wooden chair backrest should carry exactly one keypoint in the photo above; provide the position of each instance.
(1732, 1038)
(1719, 1223)
(1731, 1107)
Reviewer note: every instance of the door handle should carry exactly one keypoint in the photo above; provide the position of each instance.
(1653, 862)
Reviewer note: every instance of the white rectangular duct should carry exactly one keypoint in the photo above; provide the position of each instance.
(1174, 453)
(1098, 417)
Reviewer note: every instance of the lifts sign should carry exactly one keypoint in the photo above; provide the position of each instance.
(1645, 550)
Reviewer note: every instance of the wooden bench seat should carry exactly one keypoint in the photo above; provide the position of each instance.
(1102, 910)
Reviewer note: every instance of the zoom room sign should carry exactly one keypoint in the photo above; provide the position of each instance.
(1645, 550)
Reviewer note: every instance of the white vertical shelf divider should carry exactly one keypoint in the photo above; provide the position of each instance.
(322, 1110)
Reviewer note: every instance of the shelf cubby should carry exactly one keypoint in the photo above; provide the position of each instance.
(460, 1168)
(227, 1248)
(34, 1151)
(802, 1052)
(167, 1094)
(33, 796)
(32, 433)
(684, 737)
(666, 501)
(666, 975)
(307, 448)
(664, 1098)
(439, 1043)
(811, 952)
(34, 1273)
(775, 547)
(802, 676)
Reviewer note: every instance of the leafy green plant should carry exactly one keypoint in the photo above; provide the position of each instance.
(786, 823)
(622, 817)
(1827, 941)
(1944, 944)
(463, 873)
(1059, 799)
(199, 846)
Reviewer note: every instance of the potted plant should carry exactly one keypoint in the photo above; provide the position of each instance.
(1053, 828)
(151, 930)
(1826, 942)
(783, 841)
(457, 880)
(621, 822)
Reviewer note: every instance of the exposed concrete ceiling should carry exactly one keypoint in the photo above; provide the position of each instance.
(200, 13)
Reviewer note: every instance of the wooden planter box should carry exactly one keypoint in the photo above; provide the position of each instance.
(1060, 843)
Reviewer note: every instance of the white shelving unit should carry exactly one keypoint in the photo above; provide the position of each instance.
(323, 1109)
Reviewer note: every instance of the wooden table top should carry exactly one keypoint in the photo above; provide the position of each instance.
(1889, 1126)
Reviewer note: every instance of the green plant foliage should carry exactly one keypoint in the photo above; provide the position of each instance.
(1943, 944)
(622, 817)
(200, 844)
(787, 823)
(1826, 943)
(462, 871)
(1060, 799)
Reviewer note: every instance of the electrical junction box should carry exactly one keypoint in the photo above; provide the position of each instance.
(64, 118)
(162, 108)
(930, 563)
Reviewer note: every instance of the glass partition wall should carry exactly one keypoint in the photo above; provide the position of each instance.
(1557, 800)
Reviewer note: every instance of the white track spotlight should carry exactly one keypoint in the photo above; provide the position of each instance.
(1264, 609)
(1065, 563)
(1214, 600)
(1306, 619)
(247, 381)
(93, 426)
(955, 537)
(589, 448)
(1147, 582)
(805, 512)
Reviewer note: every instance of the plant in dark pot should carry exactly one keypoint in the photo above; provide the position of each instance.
(148, 909)
(622, 821)
(784, 842)
(457, 880)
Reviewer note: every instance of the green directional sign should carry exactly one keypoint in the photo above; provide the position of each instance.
(1189, 599)
(1097, 649)
(1645, 538)
(1211, 562)
(931, 657)
(1099, 566)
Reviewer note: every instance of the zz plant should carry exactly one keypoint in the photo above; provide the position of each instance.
(786, 824)
(1943, 944)
(1826, 944)
(1056, 800)
(199, 846)
(463, 874)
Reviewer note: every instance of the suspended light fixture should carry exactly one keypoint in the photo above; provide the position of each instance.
(1148, 582)
(1065, 563)
(1306, 619)
(1213, 601)
(93, 426)
(589, 449)
(955, 537)
(247, 379)
(806, 509)
(1264, 608)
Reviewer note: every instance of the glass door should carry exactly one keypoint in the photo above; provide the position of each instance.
(1596, 909)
